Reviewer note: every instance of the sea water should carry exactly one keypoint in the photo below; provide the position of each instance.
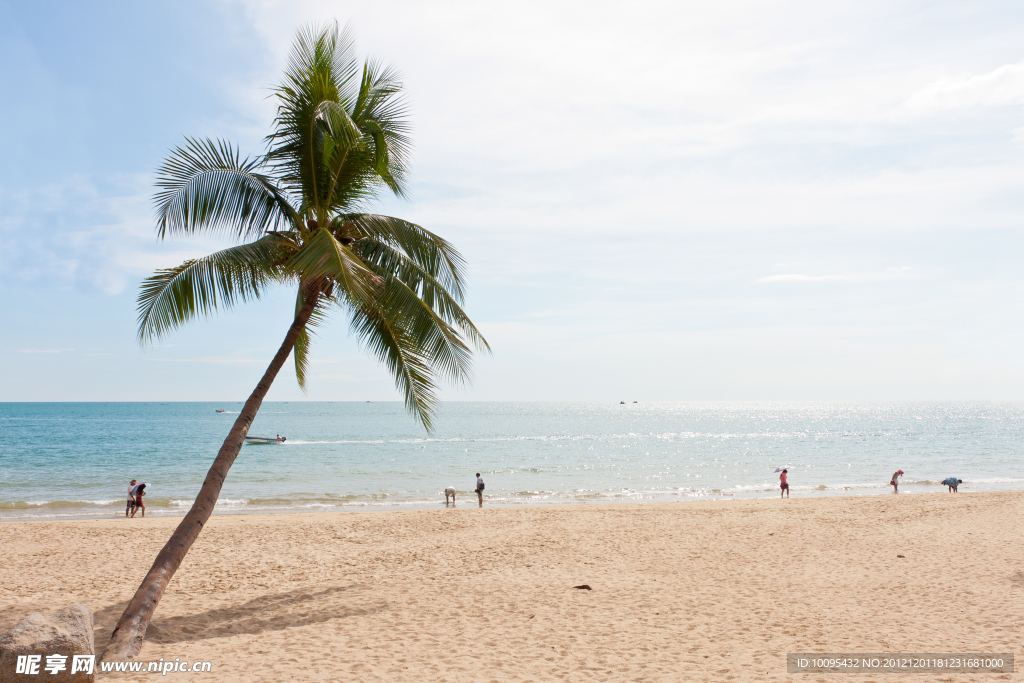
(65, 460)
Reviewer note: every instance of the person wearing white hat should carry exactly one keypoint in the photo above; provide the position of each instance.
(130, 507)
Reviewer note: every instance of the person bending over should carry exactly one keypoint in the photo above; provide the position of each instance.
(895, 481)
(450, 491)
(952, 483)
(130, 507)
(140, 491)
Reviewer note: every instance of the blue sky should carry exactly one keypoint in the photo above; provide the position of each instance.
(750, 201)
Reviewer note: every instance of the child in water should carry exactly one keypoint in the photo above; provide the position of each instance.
(783, 484)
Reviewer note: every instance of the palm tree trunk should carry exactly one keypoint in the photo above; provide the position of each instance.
(126, 640)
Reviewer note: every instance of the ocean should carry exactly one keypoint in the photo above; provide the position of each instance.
(74, 460)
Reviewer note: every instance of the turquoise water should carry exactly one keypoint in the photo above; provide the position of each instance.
(76, 459)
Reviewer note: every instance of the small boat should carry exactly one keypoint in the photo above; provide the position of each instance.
(219, 410)
(264, 439)
(622, 403)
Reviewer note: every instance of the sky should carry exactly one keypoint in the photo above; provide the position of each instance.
(785, 200)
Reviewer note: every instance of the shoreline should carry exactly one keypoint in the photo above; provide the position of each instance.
(319, 508)
(314, 514)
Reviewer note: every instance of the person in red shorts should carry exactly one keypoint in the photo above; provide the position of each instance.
(783, 484)
(140, 491)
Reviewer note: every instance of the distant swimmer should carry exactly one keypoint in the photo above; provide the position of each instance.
(895, 481)
(480, 489)
(131, 498)
(952, 483)
(784, 484)
(450, 491)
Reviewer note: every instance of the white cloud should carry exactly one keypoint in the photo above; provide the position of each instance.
(903, 273)
(1000, 87)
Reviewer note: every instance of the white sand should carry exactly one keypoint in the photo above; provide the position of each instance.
(681, 591)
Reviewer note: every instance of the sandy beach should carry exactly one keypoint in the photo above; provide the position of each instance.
(680, 591)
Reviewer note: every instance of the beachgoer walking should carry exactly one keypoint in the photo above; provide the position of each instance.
(480, 489)
(140, 491)
(895, 483)
(131, 499)
(783, 484)
(450, 491)
(952, 483)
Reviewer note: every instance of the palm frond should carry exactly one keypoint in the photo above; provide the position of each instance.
(322, 257)
(301, 350)
(206, 185)
(173, 296)
(323, 49)
(300, 353)
(338, 124)
(389, 262)
(317, 152)
(438, 342)
(321, 67)
(387, 338)
(381, 111)
(341, 137)
(434, 254)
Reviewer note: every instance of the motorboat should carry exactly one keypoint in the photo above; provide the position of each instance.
(264, 439)
(219, 410)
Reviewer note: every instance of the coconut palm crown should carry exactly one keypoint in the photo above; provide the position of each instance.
(340, 137)
(299, 214)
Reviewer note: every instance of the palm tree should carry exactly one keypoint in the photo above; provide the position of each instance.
(299, 214)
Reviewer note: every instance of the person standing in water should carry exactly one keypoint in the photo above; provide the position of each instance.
(140, 491)
(952, 483)
(130, 507)
(480, 489)
(450, 491)
(784, 484)
(895, 483)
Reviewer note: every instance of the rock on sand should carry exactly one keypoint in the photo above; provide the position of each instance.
(66, 632)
